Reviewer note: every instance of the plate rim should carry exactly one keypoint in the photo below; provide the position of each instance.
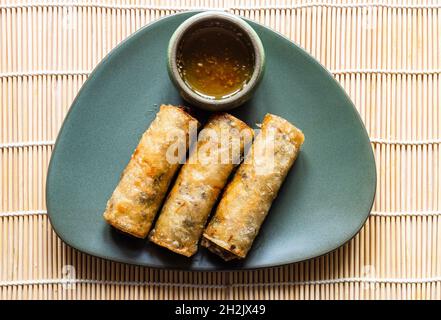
(222, 266)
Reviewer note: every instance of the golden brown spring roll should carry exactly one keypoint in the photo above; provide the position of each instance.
(248, 197)
(185, 212)
(144, 182)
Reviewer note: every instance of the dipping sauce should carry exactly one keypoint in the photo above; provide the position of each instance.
(215, 62)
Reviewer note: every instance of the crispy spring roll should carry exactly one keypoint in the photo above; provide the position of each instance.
(186, 210)
(144, 182)
(248, 197)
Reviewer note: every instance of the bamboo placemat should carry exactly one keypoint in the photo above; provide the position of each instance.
(387, 56)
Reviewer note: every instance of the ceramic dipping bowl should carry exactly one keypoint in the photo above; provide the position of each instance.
(243, 31)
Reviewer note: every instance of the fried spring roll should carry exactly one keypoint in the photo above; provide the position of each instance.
(185, 212)
(144, 182)
(248, 197)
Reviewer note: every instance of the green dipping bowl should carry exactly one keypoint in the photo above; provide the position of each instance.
(232, 22)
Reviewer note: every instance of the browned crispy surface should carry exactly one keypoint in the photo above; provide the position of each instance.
(141, 189)
(248, 197)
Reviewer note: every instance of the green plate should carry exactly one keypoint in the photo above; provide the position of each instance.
(324, 201)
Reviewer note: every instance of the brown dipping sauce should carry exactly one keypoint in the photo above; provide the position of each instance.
(215, 62)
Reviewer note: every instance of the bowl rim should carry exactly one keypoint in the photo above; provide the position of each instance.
(234, 99)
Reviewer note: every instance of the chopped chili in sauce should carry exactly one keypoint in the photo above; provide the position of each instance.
(215, 62)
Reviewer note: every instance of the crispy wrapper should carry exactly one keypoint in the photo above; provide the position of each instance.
(248, 197)
(144, 182)
(185, 212)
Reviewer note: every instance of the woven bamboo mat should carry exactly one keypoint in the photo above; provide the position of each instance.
(387, 56)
